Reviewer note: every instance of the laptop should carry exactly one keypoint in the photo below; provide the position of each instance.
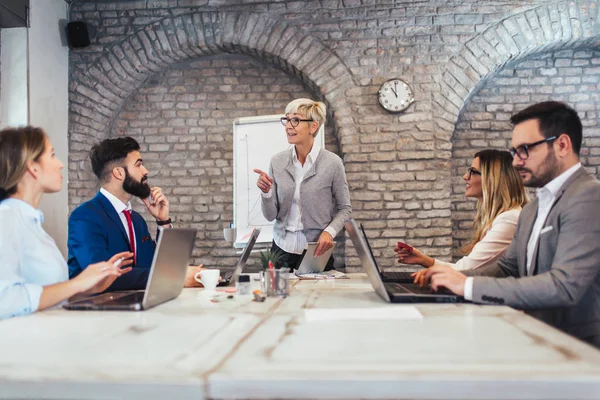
(311, 264)
(393, 292)
(231, 278)
(165, 282)
(394, 277)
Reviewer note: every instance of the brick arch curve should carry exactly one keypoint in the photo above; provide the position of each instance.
(541, 29)
(98, 94)
(550, 27)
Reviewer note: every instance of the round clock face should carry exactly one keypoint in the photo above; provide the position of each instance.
(395, 95)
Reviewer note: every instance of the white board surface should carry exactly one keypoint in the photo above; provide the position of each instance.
(255, 141)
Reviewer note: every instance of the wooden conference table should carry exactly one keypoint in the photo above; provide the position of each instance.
(331, 339)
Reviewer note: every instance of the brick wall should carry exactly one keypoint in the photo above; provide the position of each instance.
(182, 119)
(567, 75)
(399, 166)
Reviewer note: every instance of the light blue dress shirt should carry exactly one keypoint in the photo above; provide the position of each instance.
(29, 259)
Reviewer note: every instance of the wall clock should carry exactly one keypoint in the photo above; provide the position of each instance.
(395, 95)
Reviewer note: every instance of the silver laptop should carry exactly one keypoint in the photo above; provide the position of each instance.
(167, 275)
(393, 292)
(231, 278)
(311, 264)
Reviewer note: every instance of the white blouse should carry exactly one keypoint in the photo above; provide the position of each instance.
(29, 259)
(495, 242)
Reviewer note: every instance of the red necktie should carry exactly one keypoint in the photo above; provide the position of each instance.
(131, 237)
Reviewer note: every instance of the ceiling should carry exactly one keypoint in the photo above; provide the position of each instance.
(13, 13)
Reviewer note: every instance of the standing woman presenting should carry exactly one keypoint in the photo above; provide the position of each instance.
(305, 191)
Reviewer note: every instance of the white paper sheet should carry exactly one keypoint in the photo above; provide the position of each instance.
(362, 314)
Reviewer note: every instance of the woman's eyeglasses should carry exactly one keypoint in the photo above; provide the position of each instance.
(472, 171)
(293, 121)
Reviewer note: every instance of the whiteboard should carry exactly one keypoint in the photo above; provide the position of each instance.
(255, 141)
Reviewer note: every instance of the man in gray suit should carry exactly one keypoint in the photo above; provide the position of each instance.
(551, 268)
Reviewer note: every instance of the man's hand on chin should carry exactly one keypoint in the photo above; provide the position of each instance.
(190, 282)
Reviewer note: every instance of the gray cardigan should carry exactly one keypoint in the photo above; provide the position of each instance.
(324, 195)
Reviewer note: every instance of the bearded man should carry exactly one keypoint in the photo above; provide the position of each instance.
(107, 224)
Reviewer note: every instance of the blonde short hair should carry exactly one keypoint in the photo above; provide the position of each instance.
(311, 109)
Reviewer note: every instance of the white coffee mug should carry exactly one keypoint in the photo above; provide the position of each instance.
(229, 234)
(209, 278)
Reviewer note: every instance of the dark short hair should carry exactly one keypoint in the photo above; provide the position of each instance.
(555, 118)
(110, 153)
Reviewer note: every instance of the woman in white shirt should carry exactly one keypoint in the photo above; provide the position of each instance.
(305, 191)
(500, 195)
(33, 273)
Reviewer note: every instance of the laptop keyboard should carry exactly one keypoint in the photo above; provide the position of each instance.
(402, 276)
(411, 288)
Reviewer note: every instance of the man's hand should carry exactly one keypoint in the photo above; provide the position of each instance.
(189, 276)
(157, 204)
(447, 277)
(325, 243)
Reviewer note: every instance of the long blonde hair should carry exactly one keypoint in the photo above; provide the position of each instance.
(18, 146)
(502, 189)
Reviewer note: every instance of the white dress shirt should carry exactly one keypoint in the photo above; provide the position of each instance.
(29, 259)
(120, 207)
(546, 196)
(293, 241)
(492, 245)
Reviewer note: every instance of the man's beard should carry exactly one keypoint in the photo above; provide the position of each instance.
(548, 170)
(135, 188)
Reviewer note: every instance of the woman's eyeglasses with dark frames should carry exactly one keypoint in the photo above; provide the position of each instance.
(523, 150)
(472, 171)
(293, 121)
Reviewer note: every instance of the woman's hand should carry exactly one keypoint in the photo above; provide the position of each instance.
(96, 278)
(264, 182)
(413, 256)
(325, 243)
(419, 278)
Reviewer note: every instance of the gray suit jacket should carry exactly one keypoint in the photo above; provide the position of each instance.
(564, 290)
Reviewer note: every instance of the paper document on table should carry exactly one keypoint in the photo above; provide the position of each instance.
(323, 275)
(362, 314)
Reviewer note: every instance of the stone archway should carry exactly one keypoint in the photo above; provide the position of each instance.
(549, 27)
(97, 94)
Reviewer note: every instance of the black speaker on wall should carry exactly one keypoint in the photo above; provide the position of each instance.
(77, 34)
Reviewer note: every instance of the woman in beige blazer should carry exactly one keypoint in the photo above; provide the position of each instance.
(500, 195)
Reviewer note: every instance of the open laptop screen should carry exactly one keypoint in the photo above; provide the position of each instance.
(361, 244)
(231, 279)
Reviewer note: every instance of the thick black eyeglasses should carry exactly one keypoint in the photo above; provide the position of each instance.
(523, 150)
(472, 171)
(293, 121)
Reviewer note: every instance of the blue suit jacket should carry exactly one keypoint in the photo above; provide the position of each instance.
(96, 233)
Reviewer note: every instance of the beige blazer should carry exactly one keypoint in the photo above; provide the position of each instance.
(492, 245)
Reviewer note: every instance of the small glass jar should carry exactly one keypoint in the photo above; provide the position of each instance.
(243, 285)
